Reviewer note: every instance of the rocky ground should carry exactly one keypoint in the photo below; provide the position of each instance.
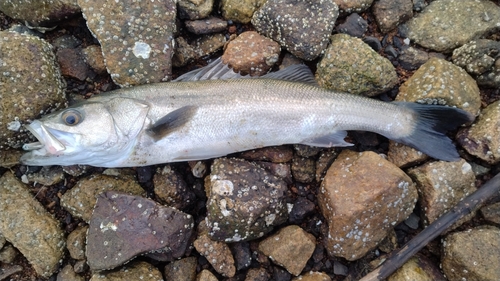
(280, 213)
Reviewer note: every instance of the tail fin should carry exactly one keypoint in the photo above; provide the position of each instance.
(432, 122)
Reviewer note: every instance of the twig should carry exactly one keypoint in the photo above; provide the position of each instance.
(463, 208)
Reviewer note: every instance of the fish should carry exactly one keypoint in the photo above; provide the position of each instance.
(213, 111)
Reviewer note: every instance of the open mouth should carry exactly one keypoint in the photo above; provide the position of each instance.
(47, 143)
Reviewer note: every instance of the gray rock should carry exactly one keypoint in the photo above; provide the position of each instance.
(171, 189)
(302, 27)
(244, 200)
(242, 254)
(472, 255)
(217, 253)
(136, 51)
(181, 270)
(76, 242)
(325, 159)
(491, 212)
(240, 10)
(31, 85)
(412, 58)
(2, 241)
(362, 197)
(68, 274)
(206, 26)
(306, 150)
(418, 268)
(482, 139)
(347, 7)
(390, 13)
(40, 12)
(281, 170)
(447, 24)
(354, 25)
(125, 226)
(139, 270)
(8, 254)
(29, 227)
(350, 65)
(195, 9)
(291, 247)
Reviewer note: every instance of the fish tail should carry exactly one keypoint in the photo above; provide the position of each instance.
(430, 127)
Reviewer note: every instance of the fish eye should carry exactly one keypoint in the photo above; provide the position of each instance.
(71, 117)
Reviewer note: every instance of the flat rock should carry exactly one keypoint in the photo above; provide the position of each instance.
(139, 270)
(29, 227)
(137, 51)
(291, 247)
(472, 255)
(352, 66)
(125, 226)
(40, 12)
(390, 13)
(482, 139)
(240, 10)
(302, 27)
(362, 197)
(446, 24)
(217, 253)
(244, 200)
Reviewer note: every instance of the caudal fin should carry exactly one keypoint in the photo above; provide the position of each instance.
(432, 122)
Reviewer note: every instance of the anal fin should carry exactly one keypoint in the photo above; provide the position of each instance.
(172, 121)
(335, 139)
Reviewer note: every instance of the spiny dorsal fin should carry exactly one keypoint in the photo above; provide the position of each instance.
(217, 70)
(172, 121)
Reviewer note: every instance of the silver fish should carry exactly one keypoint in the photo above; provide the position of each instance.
(198, 118)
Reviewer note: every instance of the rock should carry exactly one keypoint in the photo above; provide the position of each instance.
(195, 9)
(41, 12)
(29, 227)
(68, 274)
(303, 169)
(281, 170)
(472, 255)
(171, 189)
(80, 266)
(349, 65)
(313, 276)
(325, 159)
(257, 274)
(2, 241)
(418, 268)
(206, 26)
(217, 253)
(125, 226)
(491, 212)
(251, 53)
(441, 185)
(404, 156)
(31, 85)
(93, 57)
(302, 27)
(412, 58)
(390, 13)
(306, 150)
(76, 242)
(275, 154)
(9, 158)
(136, 51)
(240, 10)
(362, 197)
(445, 25)
(347, 7)
(181, 270)
(244, 201)
(301, 209)
(206, 275)
(73, 64)
(48, 175)
(241, 254)
(291, 247)
(203, 46)
(80, 199)
(139, 270)
(8, 254)
(354, 25)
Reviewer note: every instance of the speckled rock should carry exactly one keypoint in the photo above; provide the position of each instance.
(181, 270)
(29, 227)
(194, 9)
(244, 200)
(491, 212)
(303, 169)
(281, 170)
(472, 255)
(40, 12)
(48, 175)
(350, 65)
(412, 58)
(73, 65)
(217, 253)
(291, 247)
(418, 268)
(8, 254)
(80, 199)
(139, 270)
(389, 13)
(362, 197)
(125, 226)
(240, 10)
(171, 189)
(257, 274)
(31, 85)
(447, 24)
(441, 185)
(2, 241)
(93, 57)
(206, 26)
(404, 156)
(76, 242)
(302, 27)
(186, 52)
(136, 51)
(251, 53)
(354, 25)
(275, 154)
(482, 139)
(68, 274)
(206, 275)
(324, 161)
(313, 276)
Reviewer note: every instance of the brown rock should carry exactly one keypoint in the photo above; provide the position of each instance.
(171, 189)
(73, 64)
(181, 270)
(404, 156)
(139, 270)
(313, 276)
(217, 253)
(418, 268)
(276, 154)
(76, 243)
(206, 275)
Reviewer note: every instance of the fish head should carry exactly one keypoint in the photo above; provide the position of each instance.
(93, 133)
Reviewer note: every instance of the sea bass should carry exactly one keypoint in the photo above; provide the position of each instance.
(209, 113)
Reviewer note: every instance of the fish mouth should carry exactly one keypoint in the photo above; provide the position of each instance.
(48, 143)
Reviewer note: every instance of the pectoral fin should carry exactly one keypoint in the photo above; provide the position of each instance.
(172, 121)
(335, 139)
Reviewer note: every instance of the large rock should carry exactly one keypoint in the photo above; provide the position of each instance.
(39, 12)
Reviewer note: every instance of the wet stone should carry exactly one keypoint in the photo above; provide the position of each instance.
(41, 12)
(244, 200)
(29, 227)
(362, 197)
(251, 53)
(354, 25)
(418, 268)
(302, 27)
(412, 58)
(217, 253)
(482, 139)
(441, 185)
(445, 25)
(31, 85)
(171, 189)
(80, 199)
(291, 247)
(303, 169)
(275, 154)
(240, 10)
(206, 275)
(76, 242)
(194, 9)
(181, 270)
(125, 226)
(472, 255)
(390, 13)
(350, 65)
(206, 26)
(68, 274)
(491, 212)
(313, 276)
(347, 7)
(136, 51)
(139, 270)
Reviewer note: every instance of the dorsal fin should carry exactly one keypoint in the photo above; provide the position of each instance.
(217, 70)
